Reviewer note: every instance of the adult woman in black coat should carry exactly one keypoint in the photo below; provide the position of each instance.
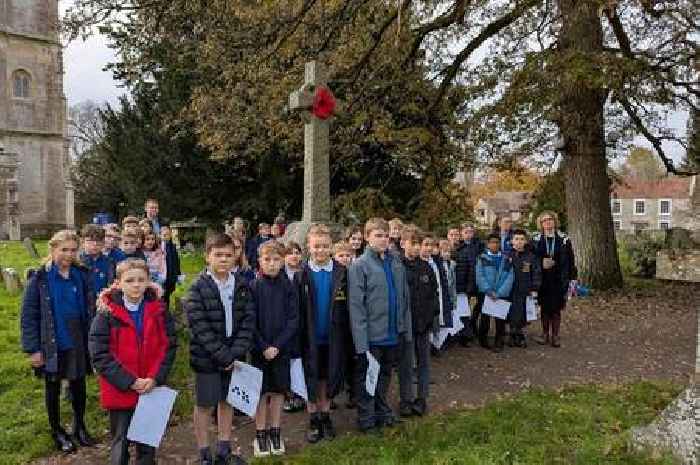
(553, 248)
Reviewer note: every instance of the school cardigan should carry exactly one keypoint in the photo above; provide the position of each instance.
(120, 354)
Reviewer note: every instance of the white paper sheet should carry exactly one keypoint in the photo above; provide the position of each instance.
(531, 309)
(462, 308)
(498, 308)
(457, 325)
(151, 416)
(298, 381)
(245, 387)
(437, 338)
(372, 374)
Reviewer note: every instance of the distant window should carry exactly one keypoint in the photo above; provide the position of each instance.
(640, 207)
(665, 207)
(616, 207)
(22, 84)
(617, 225)
(482, 213)
(639, 227)
(664, 225)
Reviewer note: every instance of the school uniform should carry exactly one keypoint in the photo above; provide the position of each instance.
(102, 270)
(379, 315)
(494, 275)
(55, 319)
(425, 307)
(129, 341)
(116, 255)
(527, 276)
(466, 254)
(138, 253)
(276, 304)
(172, 270)
(221, 320)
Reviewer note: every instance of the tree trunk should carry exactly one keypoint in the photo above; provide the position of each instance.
(582, 126)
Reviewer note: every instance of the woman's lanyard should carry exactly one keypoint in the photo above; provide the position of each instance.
(550, 251)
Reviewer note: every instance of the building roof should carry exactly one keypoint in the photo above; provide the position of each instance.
(665, 188)
(508, 201)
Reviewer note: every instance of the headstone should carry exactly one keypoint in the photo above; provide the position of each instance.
(30, 247)
(11, 280)
(317, 191)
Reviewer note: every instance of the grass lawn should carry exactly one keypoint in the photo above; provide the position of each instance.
(24, 429)
(579, 425)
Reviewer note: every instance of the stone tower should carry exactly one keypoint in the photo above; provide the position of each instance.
(36, 196)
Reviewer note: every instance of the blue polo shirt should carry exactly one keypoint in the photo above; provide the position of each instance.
(392, 336)
(66, 308)
(99, 271)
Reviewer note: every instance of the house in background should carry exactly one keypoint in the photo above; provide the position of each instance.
(639, 205)
(513, 204)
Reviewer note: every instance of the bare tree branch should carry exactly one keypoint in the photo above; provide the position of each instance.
(453, 16)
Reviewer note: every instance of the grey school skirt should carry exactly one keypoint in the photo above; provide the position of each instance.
(72, 363)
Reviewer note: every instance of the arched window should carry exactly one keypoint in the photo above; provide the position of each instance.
(22, 84)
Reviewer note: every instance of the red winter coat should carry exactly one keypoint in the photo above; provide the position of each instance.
(119, 356)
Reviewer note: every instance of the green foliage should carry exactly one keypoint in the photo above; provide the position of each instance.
(638, 253)
(549, 195)
(24, 429)
(579, 425)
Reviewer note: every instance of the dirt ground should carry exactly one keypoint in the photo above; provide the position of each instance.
(645, 334)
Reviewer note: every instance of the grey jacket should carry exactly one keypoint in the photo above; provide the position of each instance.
(368, 296)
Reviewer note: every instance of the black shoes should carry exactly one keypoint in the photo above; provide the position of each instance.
(406, 410)
(81, 435)
(315, 431)
(419, 407)
(327, 428)
(63, 441)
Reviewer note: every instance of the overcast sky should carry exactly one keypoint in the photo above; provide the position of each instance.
(86, 80)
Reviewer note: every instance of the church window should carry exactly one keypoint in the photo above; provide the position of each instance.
(22, 84)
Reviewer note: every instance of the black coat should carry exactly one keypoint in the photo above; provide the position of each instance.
(423, 288)
(276, 304)
(527, 271)
(172, 264)
(445, 285)
(209, 352)
(340, 345)
(37, 321)
(555, 281)
(465, 271)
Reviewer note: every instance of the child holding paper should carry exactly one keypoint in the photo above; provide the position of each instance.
(380, 315)
(132, 343)
(221, 317)
(277, 318)
(325, 330)
(527, 280)
(494, 277)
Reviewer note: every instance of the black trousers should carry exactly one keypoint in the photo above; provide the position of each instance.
(374, 410)
(52, 398)
(119, 421)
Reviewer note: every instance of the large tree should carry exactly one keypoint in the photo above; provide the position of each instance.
(573, 77)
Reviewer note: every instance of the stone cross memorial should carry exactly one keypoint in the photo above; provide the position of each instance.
(317, 192)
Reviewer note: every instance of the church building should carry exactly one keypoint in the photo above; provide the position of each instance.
(36, 196)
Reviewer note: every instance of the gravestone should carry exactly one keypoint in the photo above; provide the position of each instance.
(317, 191)
(11, 279)
(30, 247)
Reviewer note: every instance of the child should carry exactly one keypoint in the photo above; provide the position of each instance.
(449, 264)
(292, 268)
(146, 226)
(57, 308)
(155, 258)
(465, 256)
(101, 266)
(111, 247)
(172, 263)
(425, 308)
(343, 253)
(130, 316)
(325, 330)
(554, 249)
(494, 277)
(379, 314)
(253, 244)
(221, 316)
(353, 236)
(130, 225)
(240, 263)
(395, 228)
(437, 264)
(527, 280)
(277, 318)
(130, 246)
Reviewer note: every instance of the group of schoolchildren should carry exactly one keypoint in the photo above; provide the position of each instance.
(380, 294)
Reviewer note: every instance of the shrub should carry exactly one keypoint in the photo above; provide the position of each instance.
(637, 253)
